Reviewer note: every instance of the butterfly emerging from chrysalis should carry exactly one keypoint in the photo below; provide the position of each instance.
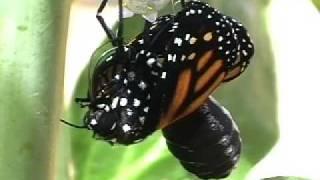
(163, 80)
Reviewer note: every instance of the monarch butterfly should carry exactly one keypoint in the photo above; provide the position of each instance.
(166, 73)
(164, 77)
(199, 48)
(206, 142)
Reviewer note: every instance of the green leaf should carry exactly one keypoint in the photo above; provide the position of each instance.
(316, 3)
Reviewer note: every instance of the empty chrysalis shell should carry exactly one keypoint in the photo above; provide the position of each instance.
(147, 8)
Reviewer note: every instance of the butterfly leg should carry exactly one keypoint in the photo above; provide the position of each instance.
(108, 31)
(84, 102)
(120, 26)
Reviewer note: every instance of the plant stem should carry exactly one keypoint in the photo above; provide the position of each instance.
(32, 51)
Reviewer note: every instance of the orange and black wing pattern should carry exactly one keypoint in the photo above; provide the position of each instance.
(203, 49)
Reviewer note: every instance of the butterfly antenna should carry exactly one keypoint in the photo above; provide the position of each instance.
(74, 125)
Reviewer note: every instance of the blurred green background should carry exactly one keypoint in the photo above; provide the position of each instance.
(35, 146)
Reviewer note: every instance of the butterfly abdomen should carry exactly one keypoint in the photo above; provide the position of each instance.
(207, 143)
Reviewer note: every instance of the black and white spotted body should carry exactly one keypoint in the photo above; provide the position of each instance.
(165, 74)
(121, 95)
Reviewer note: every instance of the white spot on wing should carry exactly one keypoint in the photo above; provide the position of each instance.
(174, 58)
(169, 57)
(115, 102)
(208, 36)
(123, 101)
(126, 128)
(178, 41)
(192, 56)
(163, 75)
(142, 85)
(187, 37)
(183, 57)
(193, 40)
(136, 102)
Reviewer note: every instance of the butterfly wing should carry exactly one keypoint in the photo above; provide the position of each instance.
(245, 49)
(198, 54)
